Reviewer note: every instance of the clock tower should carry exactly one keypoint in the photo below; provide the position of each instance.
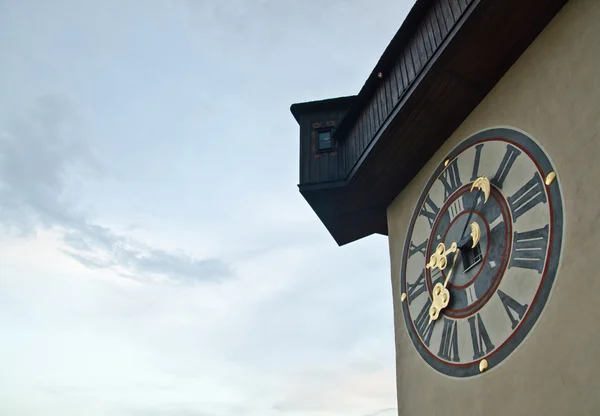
(473, 146)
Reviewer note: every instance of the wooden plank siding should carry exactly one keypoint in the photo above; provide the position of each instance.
(392, 128)
(421, 44)
(426, 39)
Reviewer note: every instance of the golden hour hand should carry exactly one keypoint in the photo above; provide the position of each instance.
(439, 258)
(482, 183)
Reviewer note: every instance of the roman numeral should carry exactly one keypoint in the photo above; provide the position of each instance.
(475, 174)
(529, 249)
(471, 294)
(505, 166)
(424, 328)
(482, 345)
(530, 194)
(456, 208)
(449, 344)
(511, 304)
(429, 210)
(437, 276)
(420, 248)
(415, 289)
(450, 178)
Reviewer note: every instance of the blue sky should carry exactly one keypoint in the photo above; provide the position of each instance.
(156, 257)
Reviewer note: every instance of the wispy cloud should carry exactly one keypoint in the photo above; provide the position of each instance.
(156, 145)
(38, 155)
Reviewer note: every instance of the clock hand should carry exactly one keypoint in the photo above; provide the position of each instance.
(438, 258)
(483, 184)
(451, 269)
(440, 296)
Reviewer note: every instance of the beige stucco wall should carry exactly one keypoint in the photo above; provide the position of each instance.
(553, 94)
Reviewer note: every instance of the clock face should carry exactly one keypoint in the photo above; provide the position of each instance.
(498, 288)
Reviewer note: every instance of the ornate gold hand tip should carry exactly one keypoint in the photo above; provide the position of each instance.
(482, 183)
(475, 233)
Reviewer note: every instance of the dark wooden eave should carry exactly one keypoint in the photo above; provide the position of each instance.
(483, 43)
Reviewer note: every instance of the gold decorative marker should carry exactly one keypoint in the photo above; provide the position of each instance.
(440, 296)
(438, 258)
(482, 183)
(446, 162)
(403, 297)
(475, 233)
(483, 365)
(550, 178)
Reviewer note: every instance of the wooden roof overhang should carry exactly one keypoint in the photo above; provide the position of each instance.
(444, 59)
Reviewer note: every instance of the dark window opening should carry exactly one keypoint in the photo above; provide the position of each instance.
(325, 141)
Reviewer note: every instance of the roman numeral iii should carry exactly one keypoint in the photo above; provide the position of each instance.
(529, 249)
(530, 194)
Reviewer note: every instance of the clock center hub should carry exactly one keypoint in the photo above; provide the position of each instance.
(479, 270)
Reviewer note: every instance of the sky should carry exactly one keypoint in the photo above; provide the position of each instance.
(156, 257)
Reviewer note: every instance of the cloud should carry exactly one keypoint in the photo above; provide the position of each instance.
(38, 155)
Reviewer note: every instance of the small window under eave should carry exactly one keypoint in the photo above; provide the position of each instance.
(325, 140)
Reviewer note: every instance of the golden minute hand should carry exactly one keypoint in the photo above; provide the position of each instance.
(440, 296)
